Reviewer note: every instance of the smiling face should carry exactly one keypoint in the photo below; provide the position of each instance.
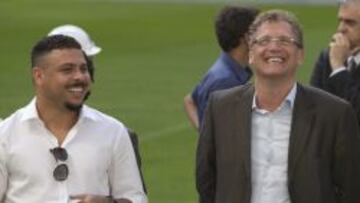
(62, 79)
(274, 51)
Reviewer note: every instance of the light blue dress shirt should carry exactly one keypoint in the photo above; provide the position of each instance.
(269, 151)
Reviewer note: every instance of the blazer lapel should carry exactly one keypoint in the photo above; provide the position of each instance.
(302, 121)
(243, 117)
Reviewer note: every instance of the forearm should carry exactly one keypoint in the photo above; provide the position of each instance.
(191, 111)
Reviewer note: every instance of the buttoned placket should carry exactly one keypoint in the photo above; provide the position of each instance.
(63, 193)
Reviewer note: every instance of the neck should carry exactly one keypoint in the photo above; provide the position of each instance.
(239, 54)
(57, 120)
(270, 94)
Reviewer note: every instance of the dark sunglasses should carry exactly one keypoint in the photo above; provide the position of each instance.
(61, 171)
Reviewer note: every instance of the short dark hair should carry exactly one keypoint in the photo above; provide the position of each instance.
(47, 44)
(278, 16)
(232, 24)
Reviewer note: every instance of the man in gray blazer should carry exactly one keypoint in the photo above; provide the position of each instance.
(278, 141)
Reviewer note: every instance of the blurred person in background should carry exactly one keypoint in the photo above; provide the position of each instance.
(57, 149)
(230, 69)
(337, 70)
(278, 141)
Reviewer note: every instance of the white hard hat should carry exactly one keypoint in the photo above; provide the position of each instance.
(87, 45)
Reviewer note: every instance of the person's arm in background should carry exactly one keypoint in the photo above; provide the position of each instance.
(344, 84)
(191, 111)
(331, 62)
(339, 51)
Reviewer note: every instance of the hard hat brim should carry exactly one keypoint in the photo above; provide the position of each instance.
(93, 51)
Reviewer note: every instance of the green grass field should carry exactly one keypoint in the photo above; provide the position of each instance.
(153, 54)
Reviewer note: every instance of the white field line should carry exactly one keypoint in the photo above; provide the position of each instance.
(165, 132)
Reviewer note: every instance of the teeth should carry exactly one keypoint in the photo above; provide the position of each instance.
(76, 89)
(275, 59)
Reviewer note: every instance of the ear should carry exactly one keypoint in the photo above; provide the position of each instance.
(38, 75)
(251, 57)
(301, 57)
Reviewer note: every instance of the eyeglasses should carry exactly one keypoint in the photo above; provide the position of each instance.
(61, 171)
(283, 41)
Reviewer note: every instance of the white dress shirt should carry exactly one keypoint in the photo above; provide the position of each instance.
(269, 151)
(101, 159)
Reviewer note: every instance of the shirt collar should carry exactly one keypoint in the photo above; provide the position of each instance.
(356, 58)
(289, 99)
(31, 113)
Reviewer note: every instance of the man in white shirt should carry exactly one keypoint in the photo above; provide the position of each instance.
(91, 50)
(278, 141)
(56, 149)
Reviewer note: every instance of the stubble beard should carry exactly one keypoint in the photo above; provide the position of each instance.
(74, 107)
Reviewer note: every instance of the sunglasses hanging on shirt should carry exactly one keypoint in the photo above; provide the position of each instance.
(61, 171)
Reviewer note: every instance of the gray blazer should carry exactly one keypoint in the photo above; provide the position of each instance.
(324, 149)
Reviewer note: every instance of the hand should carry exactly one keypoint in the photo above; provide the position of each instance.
(339, 50)
(85, 198)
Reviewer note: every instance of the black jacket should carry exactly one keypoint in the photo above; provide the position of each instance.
(344, 84)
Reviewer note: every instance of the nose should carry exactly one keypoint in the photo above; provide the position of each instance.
(274, 44)
(80, 74)
(341, 27)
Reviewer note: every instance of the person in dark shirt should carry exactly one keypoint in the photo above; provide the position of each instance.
(230, 69)
(337, 69)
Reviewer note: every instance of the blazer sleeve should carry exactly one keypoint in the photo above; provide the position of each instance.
(206, 159)
(321, 70)
(346, 162)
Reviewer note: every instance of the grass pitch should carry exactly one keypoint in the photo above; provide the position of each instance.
(153, 54)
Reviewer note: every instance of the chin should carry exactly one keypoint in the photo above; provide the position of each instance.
(74, 107)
